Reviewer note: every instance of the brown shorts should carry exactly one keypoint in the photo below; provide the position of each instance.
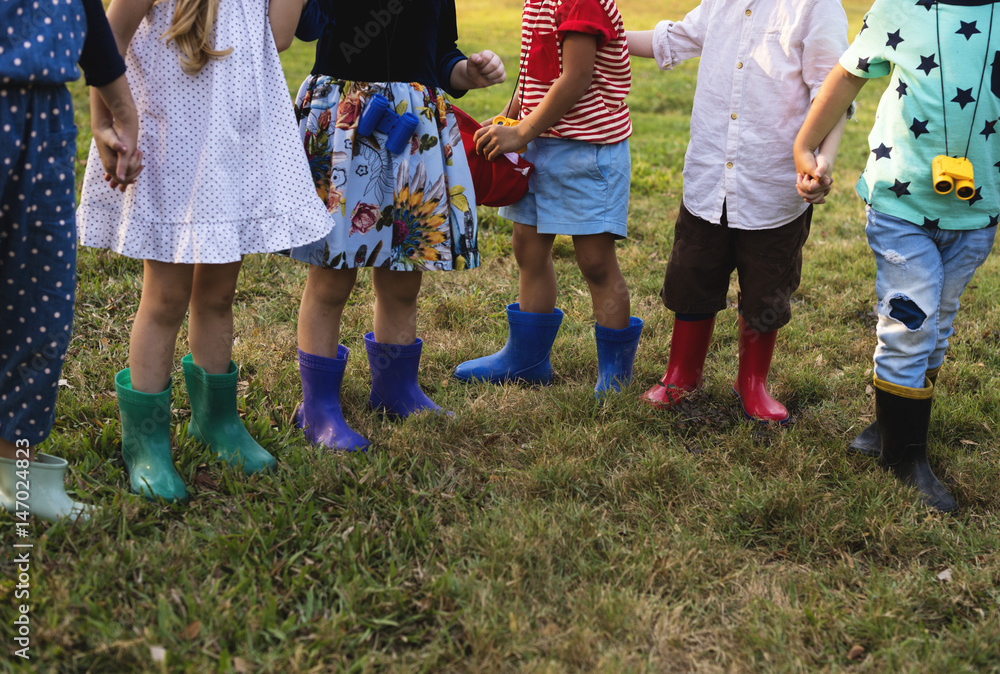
(768, 262)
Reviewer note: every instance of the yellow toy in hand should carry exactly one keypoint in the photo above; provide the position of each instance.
(500, 120)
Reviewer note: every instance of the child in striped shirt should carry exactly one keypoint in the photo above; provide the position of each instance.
(570, 103)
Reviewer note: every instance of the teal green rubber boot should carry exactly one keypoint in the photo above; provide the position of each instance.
(216, 422)
(146, 441)
(47, 497)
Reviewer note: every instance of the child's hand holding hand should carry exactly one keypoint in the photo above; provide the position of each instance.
(115, 124)
(814, 181)
(121, 167)
(814, 188)
(494, 140)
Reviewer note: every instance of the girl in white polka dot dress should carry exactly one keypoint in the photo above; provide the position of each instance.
(225, 176)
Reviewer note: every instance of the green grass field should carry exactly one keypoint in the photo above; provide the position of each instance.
(536, 530)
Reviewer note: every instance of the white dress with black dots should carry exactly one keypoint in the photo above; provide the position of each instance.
(225, 173)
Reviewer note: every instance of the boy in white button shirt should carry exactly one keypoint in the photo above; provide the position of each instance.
(762, 61)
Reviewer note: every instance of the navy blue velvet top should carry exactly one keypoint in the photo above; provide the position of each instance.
(384, 40)
(42, 42)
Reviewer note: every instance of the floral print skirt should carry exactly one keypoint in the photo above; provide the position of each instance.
(412, 211)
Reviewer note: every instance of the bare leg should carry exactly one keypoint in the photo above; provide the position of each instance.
(396, 305)
(211, 384)
(166, 291)
(321, 367)
(393, 351)
(323, 301)
(537, 288)
(533, 326)
(11, 451)
(210, 327)
(595, 255)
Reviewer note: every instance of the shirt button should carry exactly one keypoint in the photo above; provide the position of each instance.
(729, 164)
(739, 66)
(748, 12)
(733, 115)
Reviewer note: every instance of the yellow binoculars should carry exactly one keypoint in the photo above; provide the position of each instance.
(500, 120)
(953, 172)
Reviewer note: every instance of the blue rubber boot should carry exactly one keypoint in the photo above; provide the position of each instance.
(395, 391)
(146, 441)
(215, 420)
(525, 356)
(616, 355)
(320, 415)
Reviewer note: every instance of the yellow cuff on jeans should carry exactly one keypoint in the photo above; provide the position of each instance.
(905, 391)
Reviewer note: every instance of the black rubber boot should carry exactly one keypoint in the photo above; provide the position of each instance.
(869, 442)
(903, 424)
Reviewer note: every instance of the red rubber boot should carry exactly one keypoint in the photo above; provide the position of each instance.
(756, 350)
(688, 348)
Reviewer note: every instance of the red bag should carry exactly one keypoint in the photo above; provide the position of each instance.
(497, 183)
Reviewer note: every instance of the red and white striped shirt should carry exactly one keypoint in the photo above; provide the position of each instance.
(601, 115)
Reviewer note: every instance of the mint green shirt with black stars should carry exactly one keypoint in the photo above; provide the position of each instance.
(943, 58)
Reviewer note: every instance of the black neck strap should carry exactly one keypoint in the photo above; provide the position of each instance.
(982, 76)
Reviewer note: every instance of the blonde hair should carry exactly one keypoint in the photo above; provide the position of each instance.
(191, 29)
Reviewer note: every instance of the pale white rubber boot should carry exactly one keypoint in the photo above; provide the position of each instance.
(41, 487)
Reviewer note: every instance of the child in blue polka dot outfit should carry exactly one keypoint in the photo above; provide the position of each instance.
(40, 46)
(224, 176)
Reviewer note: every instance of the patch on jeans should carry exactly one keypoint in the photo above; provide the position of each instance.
(906, 311)
(892, 257)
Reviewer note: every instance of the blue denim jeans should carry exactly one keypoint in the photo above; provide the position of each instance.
(921, 273)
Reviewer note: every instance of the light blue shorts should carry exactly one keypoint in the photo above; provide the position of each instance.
(577, 188)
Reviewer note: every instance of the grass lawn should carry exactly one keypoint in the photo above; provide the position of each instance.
(536, 530)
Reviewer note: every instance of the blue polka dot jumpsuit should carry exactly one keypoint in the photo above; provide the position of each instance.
(41, 42)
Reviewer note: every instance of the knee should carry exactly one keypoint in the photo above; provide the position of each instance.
(905, 332)
(902, 309)
(532, 258)
(522, 251)
(213, 301)
(167, 305)
(599, 270)
(331, 291)
(595, 274)
(400, 289)
(530, 250)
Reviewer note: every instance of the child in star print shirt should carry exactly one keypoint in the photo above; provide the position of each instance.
(943, 99)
